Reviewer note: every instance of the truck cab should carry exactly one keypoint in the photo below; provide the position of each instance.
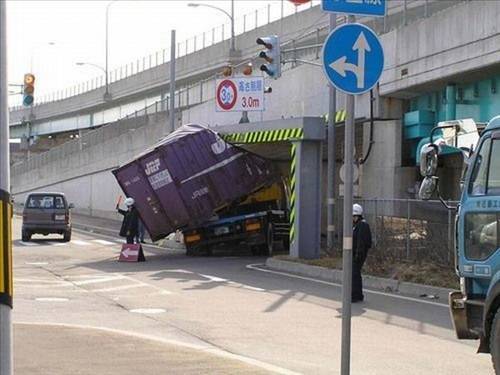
(475, 309)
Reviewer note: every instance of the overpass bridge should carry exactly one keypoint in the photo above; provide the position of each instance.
(146, 82)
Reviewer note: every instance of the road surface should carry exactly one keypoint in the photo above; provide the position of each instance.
(78, 310)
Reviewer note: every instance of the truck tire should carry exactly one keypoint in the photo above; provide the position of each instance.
(495, 342)
(25, 236)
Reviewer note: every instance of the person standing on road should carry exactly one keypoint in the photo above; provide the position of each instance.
(130, 221)
(141, 230)
(361, 243)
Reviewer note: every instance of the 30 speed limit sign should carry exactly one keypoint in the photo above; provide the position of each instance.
(239, 94)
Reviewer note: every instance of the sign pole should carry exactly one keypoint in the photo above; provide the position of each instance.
(172, 82)
(347, 243)
(6, 347)
(332, 110)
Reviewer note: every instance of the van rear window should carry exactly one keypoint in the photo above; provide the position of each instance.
(45, 201)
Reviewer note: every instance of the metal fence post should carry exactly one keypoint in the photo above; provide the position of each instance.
(408, 229)
(426, 9)
(450, 236)
(244, 23)
(405, 9)
(268, 13)
(317, 43)
(375, 224)
(213, 36)
(256, 18)
(194, 43)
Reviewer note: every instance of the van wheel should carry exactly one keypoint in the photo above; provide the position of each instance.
(67, 236)
(495, 342)
(25, 236)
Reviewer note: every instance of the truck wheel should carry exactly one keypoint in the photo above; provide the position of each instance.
(270, 240)
(495, 342)
(25, 236)
(67, 236)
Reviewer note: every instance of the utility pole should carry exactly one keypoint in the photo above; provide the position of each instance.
(6, 347)
(172, 82)
(332, 111)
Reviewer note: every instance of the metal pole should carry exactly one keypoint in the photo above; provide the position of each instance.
(347, 240)
(332, 104)
(172, 82)
(106, 92)
(6, 346)
(232, 26)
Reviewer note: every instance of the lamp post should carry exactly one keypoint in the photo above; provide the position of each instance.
(231, 17)
(106, 93)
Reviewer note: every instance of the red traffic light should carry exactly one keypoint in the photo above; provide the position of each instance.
(299, 2)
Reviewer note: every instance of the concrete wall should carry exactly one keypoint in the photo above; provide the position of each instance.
(463, 38)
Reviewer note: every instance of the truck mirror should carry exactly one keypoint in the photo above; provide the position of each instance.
(428, 160)
(428, 187)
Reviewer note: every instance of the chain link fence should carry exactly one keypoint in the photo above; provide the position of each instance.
(407, 229)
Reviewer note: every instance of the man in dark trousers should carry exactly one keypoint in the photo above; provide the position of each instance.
(361, 243)
(130, 221)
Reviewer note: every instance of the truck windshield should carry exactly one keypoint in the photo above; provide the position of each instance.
(485, 178)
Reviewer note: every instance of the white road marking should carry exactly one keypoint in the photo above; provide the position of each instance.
(147, 311)
(51, 299)
(57, 243)
(28, 243)
(80, 243)
(42, 281)
(123, 287)
(104, 242)
(99, 280)
(255, 267)
(36, 263)
(214, 279)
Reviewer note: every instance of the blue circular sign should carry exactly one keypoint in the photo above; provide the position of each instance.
(353, 58)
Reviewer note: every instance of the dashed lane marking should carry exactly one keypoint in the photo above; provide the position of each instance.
(80, 243)
(104, 242)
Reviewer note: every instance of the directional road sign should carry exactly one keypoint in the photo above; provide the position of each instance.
(353, 58)
(361, 7)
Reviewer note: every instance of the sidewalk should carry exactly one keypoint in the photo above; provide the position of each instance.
(61, 350)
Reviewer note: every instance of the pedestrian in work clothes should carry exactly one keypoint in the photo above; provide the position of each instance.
(361, 243)
(130, 221)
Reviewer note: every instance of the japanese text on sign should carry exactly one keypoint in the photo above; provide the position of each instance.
(239, 94)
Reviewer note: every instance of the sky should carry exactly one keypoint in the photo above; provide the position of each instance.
(48, 38)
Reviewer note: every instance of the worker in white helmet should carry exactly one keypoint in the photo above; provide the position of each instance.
(130, 221)
(361, 243)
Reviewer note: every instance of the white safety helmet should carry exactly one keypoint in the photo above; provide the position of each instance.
(357, 210)
(129, 202)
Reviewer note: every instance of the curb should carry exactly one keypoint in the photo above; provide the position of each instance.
(371, 282)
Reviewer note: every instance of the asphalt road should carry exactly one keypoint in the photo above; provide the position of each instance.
(78, 310)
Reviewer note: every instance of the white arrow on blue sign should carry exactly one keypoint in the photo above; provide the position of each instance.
(362, 7)
(353, 58)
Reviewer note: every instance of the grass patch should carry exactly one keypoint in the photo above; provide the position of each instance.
(419, 273)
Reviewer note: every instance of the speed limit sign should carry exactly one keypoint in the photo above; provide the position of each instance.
(227, 93)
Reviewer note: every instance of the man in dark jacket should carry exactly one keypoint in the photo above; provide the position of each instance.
(130, 221)
(361, 243)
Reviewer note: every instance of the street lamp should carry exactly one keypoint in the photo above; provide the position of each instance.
(106, 93)
(106, 70)
(231, 17)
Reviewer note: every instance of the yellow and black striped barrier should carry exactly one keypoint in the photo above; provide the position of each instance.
(6, 284)
(340, 116)
(265, 136)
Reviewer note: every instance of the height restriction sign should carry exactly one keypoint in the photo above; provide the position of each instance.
(239, 94)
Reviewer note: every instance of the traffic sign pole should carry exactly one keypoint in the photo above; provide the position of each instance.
(6, 351)
(332, 110)
(172, 82)
(347, 237)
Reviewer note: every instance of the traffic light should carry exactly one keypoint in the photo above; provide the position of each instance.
(271, 54)
(28, 89)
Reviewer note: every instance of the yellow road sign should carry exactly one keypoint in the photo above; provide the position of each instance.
(6, 284)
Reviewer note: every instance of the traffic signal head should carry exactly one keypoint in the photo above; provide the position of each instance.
(271, 54)
(28, 89)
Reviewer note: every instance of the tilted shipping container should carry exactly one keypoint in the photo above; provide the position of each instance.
(190, 175)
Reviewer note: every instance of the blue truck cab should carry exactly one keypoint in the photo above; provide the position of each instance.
(475, 309)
